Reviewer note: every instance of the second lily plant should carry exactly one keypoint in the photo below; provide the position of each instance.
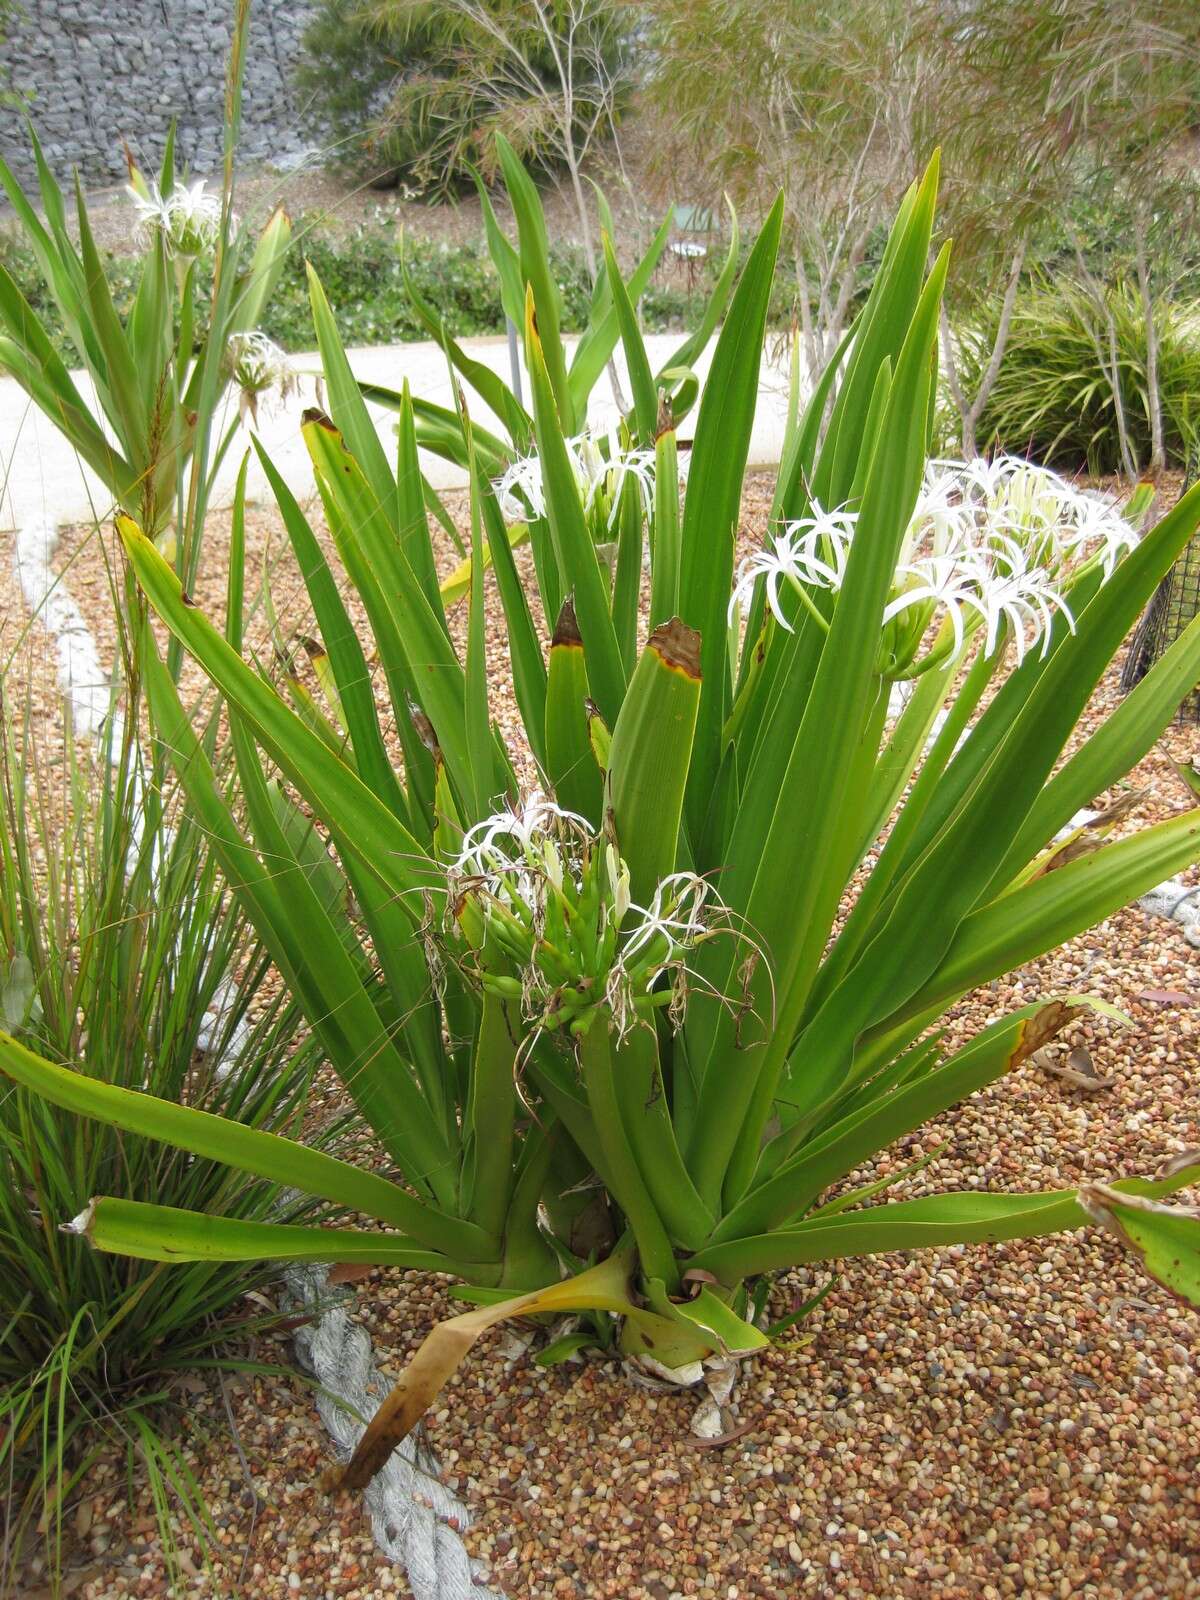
(625, 1005)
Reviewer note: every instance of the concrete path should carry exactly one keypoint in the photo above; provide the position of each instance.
(43, 482)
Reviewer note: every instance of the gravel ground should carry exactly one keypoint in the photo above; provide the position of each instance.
(984, 1421)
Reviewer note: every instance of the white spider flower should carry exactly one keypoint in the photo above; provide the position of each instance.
(519, 490)
(188, 218)
(601, 468)
(554, 926)
(677, 914)
(942, 519)
(937, 581)
(514, 851)
(1056, 523)
(975, 570)
(998, 583)
(810, 552)
(1010, 589)
(259, 368)
(1099, 532)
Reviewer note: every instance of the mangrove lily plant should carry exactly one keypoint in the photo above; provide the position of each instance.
(622, 1042)
(158, 375)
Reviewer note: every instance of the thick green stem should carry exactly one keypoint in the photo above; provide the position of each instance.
(647, 1120)
(528, 1258)
(489, 1131)
(622, 1173)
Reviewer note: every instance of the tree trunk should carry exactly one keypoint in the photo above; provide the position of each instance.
(970, 409)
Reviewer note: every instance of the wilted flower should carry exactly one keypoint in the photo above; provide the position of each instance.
(188, 218)
(676, 915)
(259, 368)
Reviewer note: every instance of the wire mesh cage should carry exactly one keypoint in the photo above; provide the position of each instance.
(1175, 602)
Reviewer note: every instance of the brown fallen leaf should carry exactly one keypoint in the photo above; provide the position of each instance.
(1037, 1031)
(350, 1272)
(1079, 1070)
(70, 1583)
(604, 1287)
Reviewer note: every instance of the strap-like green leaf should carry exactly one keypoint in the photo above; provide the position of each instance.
(1166, 1239)
(411, 635)
(651, 754)
(265, 1155)
(858, 1136)
(535, 269)
(599, 338)
(645, 395)
(579, 567)
(168, 1233)
(713, 501)
(798, 867)
(570, 764)
(346, 654)
(491, 388)
(350, 809)
(968, 1217)
(1047, 911)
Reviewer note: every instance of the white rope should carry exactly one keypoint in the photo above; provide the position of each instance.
(415, 1518)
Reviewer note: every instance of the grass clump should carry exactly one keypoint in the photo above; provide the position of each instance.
(1059, 391)
(92, 971)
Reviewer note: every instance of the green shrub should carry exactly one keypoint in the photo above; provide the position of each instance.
(415, 92)
(1052, 399)
(365, 283)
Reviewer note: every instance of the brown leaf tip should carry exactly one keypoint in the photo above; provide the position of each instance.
(566, 629)
(1181, 1161)
(321, 418)
(678, 645)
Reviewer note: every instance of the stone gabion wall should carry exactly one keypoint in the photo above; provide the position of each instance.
(99, 72)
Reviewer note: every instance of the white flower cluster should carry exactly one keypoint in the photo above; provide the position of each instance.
(987, 543)
(514, 854)
(601, 467)
(556, 900)
(259, 369)
(1057, 524)
(188, 218)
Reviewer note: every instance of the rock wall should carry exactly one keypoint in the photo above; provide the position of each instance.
(93, 74)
